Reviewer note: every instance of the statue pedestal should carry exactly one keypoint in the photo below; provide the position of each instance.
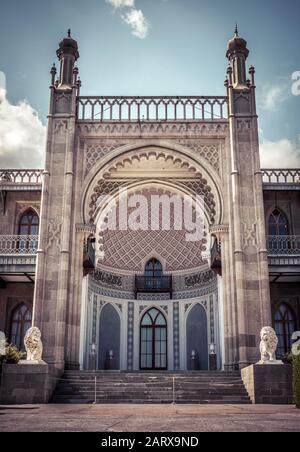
(25, 383)
(269, 383)
(24, 362)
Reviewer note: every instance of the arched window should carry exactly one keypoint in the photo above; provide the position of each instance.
(278, 224)
(28, 227)
(20, 322)
(284, 327)
(29, 223)
(153, 341)
(153, 268)
(153, 274)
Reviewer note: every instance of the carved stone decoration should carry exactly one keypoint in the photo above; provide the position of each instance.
(250, 238)
(243, 126)
(60, 126)
(199, 279)
(107, 278)
(54, 233)
(219, 129)
(96, 152)
(33, 344)
(268, 346)
(2, 343)
(210, 153)
(63, 103)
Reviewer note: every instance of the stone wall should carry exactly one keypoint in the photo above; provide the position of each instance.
(23, 384)
(269, 384)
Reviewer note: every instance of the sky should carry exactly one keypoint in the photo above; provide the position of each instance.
(147, 47)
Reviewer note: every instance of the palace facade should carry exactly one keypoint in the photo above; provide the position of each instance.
(150, 299)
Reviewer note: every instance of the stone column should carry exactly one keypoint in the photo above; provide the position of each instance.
(56, 233)
(247, 224)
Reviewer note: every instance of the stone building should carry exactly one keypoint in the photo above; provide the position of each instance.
(150, 299)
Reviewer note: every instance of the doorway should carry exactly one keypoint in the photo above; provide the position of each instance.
(153, 345)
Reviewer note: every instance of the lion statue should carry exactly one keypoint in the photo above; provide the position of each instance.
(268, 345)
(33, 344)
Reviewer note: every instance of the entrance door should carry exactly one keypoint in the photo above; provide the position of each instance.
(153, 341)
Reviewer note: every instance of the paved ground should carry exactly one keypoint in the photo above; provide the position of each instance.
(149, 418)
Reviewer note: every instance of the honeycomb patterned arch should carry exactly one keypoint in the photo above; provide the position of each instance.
(202, 179)
(128, 250)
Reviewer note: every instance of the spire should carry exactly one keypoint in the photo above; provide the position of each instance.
(67, 54)
(237, 54)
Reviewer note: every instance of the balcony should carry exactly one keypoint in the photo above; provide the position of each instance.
(284, 258)
(17, 258)
(284, 245)
(281, 179)
(152, 108)
(148, 285)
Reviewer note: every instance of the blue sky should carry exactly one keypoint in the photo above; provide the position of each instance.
(179, 48)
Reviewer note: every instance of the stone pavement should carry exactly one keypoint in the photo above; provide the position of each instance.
(150, 418)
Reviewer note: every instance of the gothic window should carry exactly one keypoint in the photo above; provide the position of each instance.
(20, 322)
(153, 268)
(284, 327)
(278, 224)
(153, 341)
(29, 223)
(29, 226)
(153, 274)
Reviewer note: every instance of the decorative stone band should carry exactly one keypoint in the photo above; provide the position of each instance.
(200, 279)
(87, 228)
(20, 176)
(218, 230)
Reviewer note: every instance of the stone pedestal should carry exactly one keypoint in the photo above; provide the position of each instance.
(269, 383)
(26, 383)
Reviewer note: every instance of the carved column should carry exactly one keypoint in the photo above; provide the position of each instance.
(247, 225)
(56, 245)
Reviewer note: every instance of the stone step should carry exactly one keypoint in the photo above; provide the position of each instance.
(137, 387)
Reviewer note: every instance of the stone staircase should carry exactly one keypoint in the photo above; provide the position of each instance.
(78, 387)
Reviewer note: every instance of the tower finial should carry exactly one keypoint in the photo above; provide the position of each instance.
(69, 32)
(236, 32)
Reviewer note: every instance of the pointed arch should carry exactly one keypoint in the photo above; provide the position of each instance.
(153, 340)
(29, 222)
(285, 325)
(197, 338)
(109, 338)
(21, 320)
(278, 224)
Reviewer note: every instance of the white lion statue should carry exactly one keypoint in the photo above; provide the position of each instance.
(33, 344)
(268, 345)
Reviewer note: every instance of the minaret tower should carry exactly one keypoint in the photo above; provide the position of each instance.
(53, 274)
(68, 55)
(248, 303)
(237, 54)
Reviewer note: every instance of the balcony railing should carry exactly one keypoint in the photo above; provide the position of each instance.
(281, 176)
(284, 245)
(18, 244)
(151, 108)
(19, 176)
(146, 284)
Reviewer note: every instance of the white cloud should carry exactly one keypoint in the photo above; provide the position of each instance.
(138, 22)
(280, 154)
(22, 134)
(274, 94)
(133, 17)
(121, 3)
